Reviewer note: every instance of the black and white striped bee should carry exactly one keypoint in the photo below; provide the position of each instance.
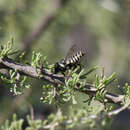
(69, 62)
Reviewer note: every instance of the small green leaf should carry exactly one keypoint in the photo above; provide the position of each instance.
(88, 72)
(110, 79)
(74, 100)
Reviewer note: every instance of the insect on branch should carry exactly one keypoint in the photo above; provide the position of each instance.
(55, 79)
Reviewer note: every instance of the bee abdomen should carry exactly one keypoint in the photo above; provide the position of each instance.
(75, 58)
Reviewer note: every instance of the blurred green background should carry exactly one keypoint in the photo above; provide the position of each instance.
(51, 27)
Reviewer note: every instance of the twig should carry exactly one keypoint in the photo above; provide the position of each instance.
(117, 111)
(31, 112)
(112, 98)
(32, 72)
(4, 72)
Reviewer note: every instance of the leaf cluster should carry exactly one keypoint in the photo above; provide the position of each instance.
(60, 94)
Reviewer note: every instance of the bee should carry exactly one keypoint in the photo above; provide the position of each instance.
(69, 62)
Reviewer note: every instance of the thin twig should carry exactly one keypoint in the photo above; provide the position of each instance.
(4, 72)
(32, 72)
(117, 111)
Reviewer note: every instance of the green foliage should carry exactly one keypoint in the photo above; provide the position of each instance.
(101, 84)
(104, 23)
(48, 94)
(39, 61)
(36, 59)
(127, 90)
(58, 120)
(34, 124)
(14, 125)
(7, 49)
(15, 82)
(83, 76)
(54, 120)
(61, 94)
(127, 95)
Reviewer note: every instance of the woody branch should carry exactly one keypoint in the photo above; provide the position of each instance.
(54, 79)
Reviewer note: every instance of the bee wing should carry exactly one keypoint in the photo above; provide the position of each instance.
(73, 50)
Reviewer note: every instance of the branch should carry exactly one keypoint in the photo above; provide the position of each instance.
(55, 79)
(117, 111)
(4, 72)
(32, 72)
(112, 98)
(42, 25)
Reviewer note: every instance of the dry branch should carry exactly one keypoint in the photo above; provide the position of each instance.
(117, 111)
(43, 25)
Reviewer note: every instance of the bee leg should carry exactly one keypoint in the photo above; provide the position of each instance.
(62, 72)
(80, 67)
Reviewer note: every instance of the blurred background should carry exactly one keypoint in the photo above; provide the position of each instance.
(51, 27)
